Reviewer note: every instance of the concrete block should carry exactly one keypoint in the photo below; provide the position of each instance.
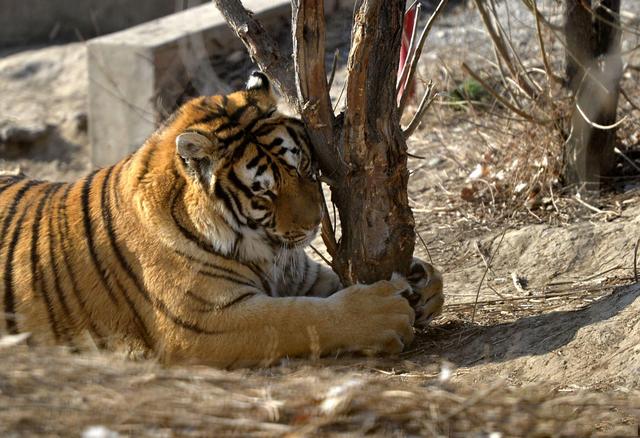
(133, 73)
(40, 21)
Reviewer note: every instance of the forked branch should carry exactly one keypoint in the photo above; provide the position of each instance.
(262, 48)
(427, 99)
(501, 47)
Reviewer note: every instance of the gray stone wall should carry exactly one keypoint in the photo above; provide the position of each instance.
(41, 21)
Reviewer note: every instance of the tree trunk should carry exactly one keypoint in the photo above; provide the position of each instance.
(362, 151)
(593, 70)
(377, 223)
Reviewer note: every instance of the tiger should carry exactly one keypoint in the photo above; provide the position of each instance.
(192, 249)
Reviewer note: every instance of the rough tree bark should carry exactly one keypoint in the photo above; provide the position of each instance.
(593, 71)
(377, 223)
(361, 151)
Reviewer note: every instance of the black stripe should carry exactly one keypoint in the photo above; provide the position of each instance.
(256, 271)
(67, 314)
(224, 125)
(209, 117)
(266, 128)
(256, 205)
(88, 229)
(105, 208)
(275, 142)
(10, 181)
(293, 134)
(157, 303)
(205, 103)
(261, 169)
(230, 139)
(261, 276)
(147, 154)
(237, 300)
(9, 298)
(226, 278)
(64, 237)
(270, 195)
(187, 234)
(207, 106)
(227, 200)
(11, 211)
(254, 161)
(36, 273)
(246, 131)
(239, 150)
(237, 114)
(210, 306)
(234, 275)
(116, 182)
(275, 171)
(236, 181)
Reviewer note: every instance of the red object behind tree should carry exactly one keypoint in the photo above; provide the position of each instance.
(408, 30)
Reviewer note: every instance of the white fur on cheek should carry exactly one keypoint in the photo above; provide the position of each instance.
(291, 158)
(221, 235)
(248, 177)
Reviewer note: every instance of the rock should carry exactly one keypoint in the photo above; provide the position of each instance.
(11, 133)
(80, 121)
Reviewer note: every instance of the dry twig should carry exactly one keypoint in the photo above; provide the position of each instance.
(635, 261)
(501, 99)
(473, 315)
(425, 103)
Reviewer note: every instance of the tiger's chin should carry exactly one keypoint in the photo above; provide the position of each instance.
(299, 242)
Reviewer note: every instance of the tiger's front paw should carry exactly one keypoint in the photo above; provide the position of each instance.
(426, 298)
(375, 318)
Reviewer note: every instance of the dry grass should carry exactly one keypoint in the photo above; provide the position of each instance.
(66, 394)
(511, 174)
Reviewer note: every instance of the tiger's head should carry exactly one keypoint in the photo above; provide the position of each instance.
(252, 166)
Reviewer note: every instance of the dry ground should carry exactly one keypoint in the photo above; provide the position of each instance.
(539, 337)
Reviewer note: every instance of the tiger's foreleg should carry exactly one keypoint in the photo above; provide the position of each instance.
(262, 329)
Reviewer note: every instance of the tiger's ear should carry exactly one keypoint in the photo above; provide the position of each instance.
(258, 81)
(196, 151)
(259, 86)
(192, 145)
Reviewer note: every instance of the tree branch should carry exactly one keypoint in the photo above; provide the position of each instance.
(365, 83)
(425, 103)
(262, 48)
(312, 89)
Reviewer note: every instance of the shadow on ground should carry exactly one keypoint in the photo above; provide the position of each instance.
(465, 344)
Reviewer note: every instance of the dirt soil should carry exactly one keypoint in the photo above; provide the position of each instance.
(540, 335)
